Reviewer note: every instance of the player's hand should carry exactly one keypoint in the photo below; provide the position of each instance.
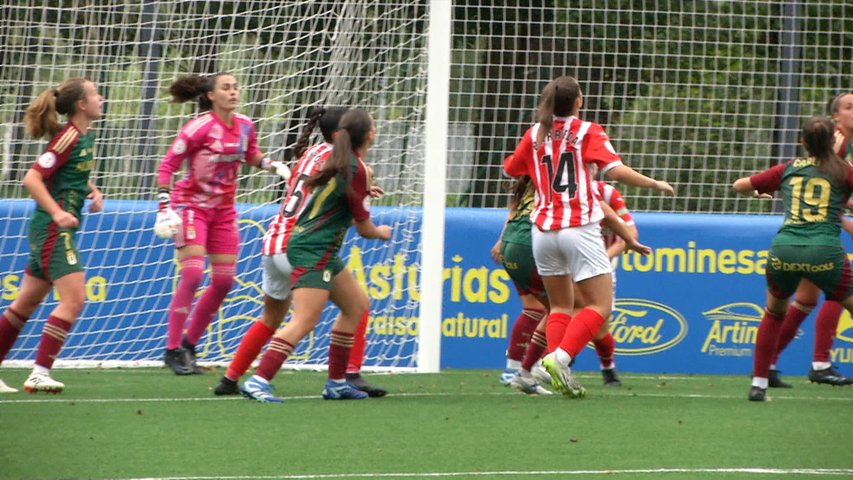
(495, 252)
(167, 224)
(638, 247)
(383, 232)
(97, 199)
(664, 187)
(755, 194)
(376, 191)
(64, 219)
(280, 169)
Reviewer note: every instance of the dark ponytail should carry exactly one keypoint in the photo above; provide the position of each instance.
(558, 98)
(353, 129)
(327, 118)
(189, 87)
(819, 140)
(518, 189)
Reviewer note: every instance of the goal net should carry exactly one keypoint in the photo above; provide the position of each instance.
(696, 93)
(287, 57)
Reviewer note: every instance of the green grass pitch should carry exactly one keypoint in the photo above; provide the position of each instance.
(149, 423)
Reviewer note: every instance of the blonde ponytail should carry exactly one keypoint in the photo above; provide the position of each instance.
(41, 117)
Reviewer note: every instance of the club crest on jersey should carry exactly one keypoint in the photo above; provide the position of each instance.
(179, 147)
(47, 160)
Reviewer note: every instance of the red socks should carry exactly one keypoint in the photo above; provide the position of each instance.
(766, 343)
(583, 327)
(824, 330)
(340, 344)
(11, 324)
(522, 329)
(605, 347)
(356, 356)
(535, 348)
(276, 354)
(250, 346)
(52, 339)
(793, 319)
(555, 329)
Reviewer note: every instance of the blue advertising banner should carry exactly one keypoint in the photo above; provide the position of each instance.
(693, 306)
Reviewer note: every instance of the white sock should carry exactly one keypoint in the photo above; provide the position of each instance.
(772, 366)
(39, 370)
(760, 382)
(260, 379)
(820, 365)
(338, 380)
(513, 364)
(524, 373)
(563, 356)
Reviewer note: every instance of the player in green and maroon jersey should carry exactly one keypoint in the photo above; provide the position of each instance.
(514, 251)
(840, 109)
(815, 190)
(340, 197)
(59, 182)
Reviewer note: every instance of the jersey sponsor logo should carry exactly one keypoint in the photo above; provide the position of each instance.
(779, 265)
(642, 327)
(179, 147)
(734, 327)
(47, 160)
(86, 166)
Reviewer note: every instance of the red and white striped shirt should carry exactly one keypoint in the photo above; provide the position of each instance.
(565, 195)
(275, 240)
(614, 199)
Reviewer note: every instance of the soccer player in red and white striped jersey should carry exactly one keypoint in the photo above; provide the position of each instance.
(567, 245)
(604, 343)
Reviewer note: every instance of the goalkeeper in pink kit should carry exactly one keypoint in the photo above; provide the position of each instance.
(199, 212)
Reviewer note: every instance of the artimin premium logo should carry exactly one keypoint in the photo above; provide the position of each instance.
(734, 327)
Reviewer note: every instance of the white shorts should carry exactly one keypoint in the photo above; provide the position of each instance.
(575, 251)
(277, 270)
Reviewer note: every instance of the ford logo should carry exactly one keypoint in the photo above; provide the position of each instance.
(642, 327)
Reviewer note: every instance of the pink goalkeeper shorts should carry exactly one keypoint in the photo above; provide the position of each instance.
(213, 228)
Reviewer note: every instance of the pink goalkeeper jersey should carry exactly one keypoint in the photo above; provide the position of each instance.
(565, 195)
(275, 240)
(214, 153)
(614, 199)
